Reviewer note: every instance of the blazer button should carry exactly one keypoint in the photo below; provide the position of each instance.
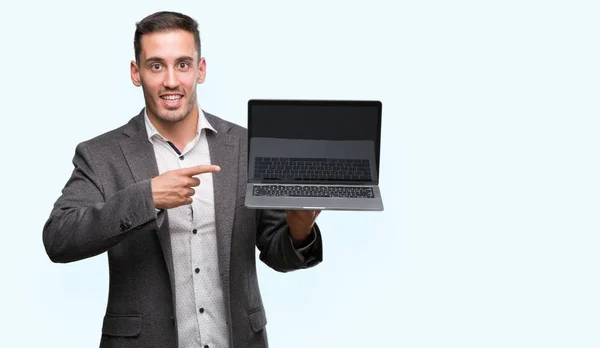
(125, 225)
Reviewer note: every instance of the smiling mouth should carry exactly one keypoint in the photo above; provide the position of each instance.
(171, 97)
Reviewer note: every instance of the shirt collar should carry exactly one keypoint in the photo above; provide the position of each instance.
(202, 124)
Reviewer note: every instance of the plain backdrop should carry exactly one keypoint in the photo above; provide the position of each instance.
(489, 164)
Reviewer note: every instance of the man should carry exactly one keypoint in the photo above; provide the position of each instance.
(164, 196)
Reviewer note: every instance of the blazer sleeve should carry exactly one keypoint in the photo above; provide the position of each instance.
(275, 245)
(83, 223)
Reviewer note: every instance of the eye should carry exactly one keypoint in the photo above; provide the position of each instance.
(155, 67)
(183, 65)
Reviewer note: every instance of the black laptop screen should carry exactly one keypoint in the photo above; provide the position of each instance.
(322, 122)
(337, 131)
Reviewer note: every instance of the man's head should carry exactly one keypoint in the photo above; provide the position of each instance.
(168, 64)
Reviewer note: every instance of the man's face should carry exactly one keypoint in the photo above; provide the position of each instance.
(168, 71)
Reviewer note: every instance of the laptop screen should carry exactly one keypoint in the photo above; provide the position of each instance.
(314, 141)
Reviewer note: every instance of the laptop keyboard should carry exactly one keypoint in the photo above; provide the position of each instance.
(313, 191)
(283, 168)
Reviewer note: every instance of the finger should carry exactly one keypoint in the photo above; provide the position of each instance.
(311, 215)
(301, 212)
(187, 191)
(199, 169)
(192, 182)
(305, 215)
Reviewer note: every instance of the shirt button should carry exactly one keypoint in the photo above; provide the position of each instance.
(181, 157)
(201, 310)
(197, 270)
(195, 231)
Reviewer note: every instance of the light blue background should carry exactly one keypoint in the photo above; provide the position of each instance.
(490, 163)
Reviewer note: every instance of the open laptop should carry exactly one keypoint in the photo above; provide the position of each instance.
(314, 154)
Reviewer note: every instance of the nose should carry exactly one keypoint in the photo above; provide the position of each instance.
(171, 80)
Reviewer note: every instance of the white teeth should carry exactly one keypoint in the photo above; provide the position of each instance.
(171, 97)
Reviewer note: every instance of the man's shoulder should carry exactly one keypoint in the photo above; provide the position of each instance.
(114, 136)
(108, 137)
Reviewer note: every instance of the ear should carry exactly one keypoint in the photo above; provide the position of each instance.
(201, 70)
(135, 74)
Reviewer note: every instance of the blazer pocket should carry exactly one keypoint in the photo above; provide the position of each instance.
(122, 325)
(258, 319)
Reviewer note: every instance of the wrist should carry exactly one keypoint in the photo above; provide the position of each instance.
(300, 240)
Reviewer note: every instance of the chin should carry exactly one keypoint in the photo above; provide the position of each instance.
(170, 115)
(173, 116)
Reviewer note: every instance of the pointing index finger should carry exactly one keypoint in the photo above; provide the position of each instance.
(200, 169)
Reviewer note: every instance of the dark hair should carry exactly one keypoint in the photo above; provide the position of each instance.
(164, 21)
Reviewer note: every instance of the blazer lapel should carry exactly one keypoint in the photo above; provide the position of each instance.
(224, 153)
(140, 157)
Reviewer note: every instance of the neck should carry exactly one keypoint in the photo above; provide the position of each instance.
(179, 133)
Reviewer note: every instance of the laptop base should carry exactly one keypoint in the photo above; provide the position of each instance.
(313, 203)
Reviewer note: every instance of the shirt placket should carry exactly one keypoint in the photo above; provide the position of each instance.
(197, 257)
(199, 273)
(186, 159)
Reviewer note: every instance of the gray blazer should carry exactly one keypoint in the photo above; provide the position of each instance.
(106, 205)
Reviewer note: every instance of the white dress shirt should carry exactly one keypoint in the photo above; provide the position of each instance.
(200, 307)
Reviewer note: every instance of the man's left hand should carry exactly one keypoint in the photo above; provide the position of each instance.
(301, 223)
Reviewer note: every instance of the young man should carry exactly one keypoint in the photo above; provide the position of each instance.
(164, 196)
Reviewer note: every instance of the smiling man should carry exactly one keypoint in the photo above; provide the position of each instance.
(163, 195)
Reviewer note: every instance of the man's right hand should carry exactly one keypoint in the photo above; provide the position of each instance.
(174, 188)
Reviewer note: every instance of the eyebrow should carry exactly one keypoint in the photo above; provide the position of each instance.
(160, 60)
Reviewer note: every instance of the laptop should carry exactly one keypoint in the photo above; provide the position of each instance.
(314, 154)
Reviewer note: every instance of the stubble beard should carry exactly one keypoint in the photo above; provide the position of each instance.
(170, 116)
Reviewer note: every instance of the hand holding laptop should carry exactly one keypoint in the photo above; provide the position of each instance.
(301, 223)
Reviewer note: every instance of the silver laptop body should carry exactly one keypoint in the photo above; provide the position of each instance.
(314, 154)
